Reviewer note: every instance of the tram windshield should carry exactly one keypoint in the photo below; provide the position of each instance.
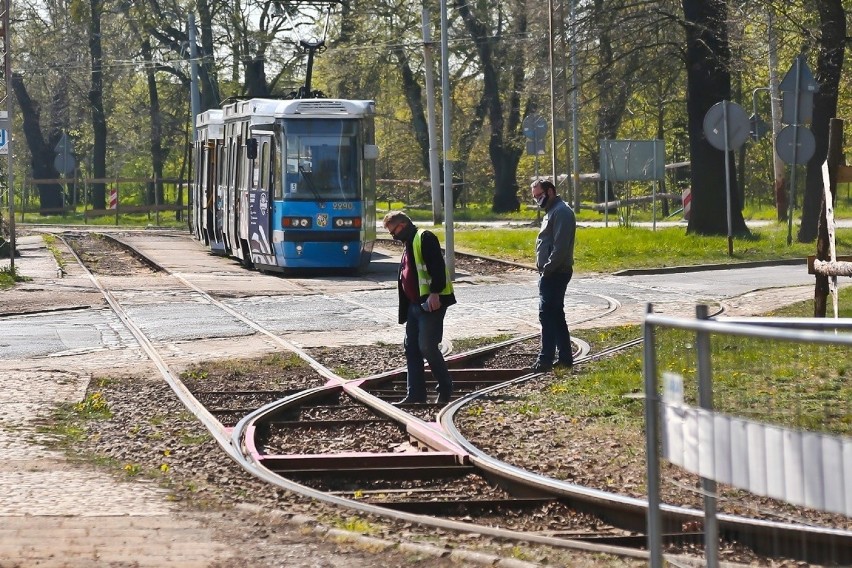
(322, 159)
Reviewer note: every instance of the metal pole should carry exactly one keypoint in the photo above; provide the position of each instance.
(655, 533)
(705, 401)
(727, 176)
(575, 127)
(448, 165)
(553, 161)
(194, 95)
(795, 149)
(434, 164)
(7, 71)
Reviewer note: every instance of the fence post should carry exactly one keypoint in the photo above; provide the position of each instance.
(834, 159)
(705, 401)
(654, 532)
(156, 202)
(85, 201)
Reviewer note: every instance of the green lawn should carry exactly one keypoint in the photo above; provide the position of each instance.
(617, 248)
(790, 384)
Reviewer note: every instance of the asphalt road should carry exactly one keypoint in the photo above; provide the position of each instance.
(329, 310)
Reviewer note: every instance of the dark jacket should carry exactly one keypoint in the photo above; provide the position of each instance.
(435, 265)
(554, 246)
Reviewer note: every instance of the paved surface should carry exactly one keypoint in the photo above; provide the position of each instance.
(46, 359)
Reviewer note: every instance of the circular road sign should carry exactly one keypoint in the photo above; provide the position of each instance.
(738, 127)
(795, 144)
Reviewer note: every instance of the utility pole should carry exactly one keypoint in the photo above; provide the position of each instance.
(7, 126)
(194, 94)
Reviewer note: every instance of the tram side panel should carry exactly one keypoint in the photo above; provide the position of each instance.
(262, 188)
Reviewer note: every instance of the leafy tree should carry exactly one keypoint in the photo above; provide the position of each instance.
(503, 72)
(50, 194)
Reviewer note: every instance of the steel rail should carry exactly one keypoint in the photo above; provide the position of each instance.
(242, 436)
(235, 444)
(633, 511)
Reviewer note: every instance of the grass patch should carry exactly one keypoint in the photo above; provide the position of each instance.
(67, 423)
(799, 385)
(618, 248)
(93, 407)
(76, 217)
(9, 277)
(353, 524)
(50, 243)
(269, 368)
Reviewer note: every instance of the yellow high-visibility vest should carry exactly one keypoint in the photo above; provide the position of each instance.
(424, 281)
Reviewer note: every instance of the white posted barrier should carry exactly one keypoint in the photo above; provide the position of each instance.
(802, 468)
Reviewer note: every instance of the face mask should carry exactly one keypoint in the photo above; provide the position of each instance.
(541, 199)
(399, 235)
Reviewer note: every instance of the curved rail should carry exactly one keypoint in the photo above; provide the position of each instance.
(240, 447)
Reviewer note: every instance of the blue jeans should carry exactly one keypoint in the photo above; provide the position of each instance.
(551, 313)
(423, 334)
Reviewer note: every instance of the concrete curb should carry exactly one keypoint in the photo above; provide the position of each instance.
(707, 267)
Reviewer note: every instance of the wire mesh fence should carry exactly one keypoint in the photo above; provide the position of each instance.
(754, 418)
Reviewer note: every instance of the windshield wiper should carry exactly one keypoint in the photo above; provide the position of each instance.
(307, 177)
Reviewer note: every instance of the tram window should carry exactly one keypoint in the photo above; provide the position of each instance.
(277, 175)
(264, 164)
(220, 179)
(321, 161)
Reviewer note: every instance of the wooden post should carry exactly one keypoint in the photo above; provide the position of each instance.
(835, 160)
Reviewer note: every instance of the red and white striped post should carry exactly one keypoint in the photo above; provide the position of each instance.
(687, 202)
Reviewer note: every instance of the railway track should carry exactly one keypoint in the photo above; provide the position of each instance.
(421, 470)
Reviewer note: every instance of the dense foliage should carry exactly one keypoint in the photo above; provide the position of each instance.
(114, 75)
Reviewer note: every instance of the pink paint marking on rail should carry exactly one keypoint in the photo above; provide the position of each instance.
(248, 440)
(435, 438)
(361, 455)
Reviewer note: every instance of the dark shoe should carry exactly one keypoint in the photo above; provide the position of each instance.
(541, 366)
(410, 400)
(443, 398)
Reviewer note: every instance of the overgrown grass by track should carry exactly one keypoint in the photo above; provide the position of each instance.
(618, 248)
(10, 277)
(790, 384)
(166, 219)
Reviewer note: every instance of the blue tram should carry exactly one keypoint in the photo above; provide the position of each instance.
(287, 184)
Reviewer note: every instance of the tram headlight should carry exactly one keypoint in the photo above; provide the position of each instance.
(296, 222)
(347, 222)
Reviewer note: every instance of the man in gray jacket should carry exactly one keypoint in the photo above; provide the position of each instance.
(554, 259)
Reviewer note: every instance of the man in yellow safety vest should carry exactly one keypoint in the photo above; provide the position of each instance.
(425, 292)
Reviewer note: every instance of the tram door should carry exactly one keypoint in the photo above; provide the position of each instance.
(260, 201)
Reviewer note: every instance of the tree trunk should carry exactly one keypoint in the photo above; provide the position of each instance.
(207, 78)
(708, 82)
(155, 194)
(829, 66)
(414, 98)
(505, 145)
(42, 155)
(96, 100)
(255, 84)
(779, 169)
